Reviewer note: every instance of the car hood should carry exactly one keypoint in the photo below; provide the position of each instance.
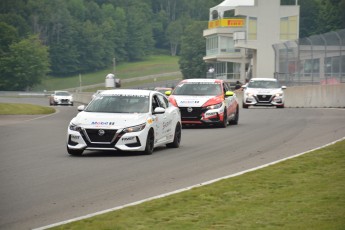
(196, 101)
(62, 97)
(263, 91)
(109, 120)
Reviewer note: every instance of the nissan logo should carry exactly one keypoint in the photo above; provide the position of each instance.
(189, 109)
(101, 132)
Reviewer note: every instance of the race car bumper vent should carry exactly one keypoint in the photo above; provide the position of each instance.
(107, 135)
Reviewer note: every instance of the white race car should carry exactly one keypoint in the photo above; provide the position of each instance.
(61, 98)
(126, 120)
(263, 92)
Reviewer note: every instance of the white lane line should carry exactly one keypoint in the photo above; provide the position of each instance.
(182, 190)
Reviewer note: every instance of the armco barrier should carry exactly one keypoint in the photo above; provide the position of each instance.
(312, 96)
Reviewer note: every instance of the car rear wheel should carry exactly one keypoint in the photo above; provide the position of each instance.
(75, 152)
(245, 106)
(177, 137)
(150, 141)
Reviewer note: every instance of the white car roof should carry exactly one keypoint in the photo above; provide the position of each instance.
(142, 92)
(201, 80)
(263, 79)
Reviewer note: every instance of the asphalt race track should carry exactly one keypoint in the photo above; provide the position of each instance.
(41, 184)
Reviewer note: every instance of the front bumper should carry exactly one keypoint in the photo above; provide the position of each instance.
(63, 102)
(200, 115)
(264, 100)
(90, 139)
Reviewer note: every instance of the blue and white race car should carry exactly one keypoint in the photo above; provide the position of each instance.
(126, 120)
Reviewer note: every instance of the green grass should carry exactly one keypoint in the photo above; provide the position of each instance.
(23, 109)
(307, 192)
(156, 64)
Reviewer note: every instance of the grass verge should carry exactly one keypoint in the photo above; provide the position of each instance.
(156, 64)
(307, 192)
(24, 109)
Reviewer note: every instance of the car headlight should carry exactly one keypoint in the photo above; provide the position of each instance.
(249, 94)
(136, 128)
(216, 106)
(279, 94)
(74, 127)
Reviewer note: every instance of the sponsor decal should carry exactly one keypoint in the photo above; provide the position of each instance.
(166, 124)
(74, 137)
(189, 102)
(102, 123)
(150, 121)
(128, 138)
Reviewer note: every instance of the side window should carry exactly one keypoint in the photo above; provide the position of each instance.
(155, 102)
(225, 87)
(163, 101)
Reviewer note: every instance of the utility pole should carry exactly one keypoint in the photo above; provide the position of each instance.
(80, 83)
(114, 65)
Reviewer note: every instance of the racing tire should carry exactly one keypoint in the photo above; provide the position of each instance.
(150, 141)
(245, 106)
(177, 137)
(237, 115)
(75, 152)
(280, 106)
(225, 119)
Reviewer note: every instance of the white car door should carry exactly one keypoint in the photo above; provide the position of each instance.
(167, 121)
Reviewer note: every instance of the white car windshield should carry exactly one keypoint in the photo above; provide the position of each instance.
(62, 94)
(198, 88)
(264, 84)
(119, 104)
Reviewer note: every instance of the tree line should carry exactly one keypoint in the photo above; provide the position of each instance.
(67, 37)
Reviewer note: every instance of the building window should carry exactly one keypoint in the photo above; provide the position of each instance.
(226, 44)
(212, 45)
(288, 28)
(252, 28)
(228, 70)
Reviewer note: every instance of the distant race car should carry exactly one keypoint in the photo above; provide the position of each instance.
(263, 92)
(205, 101)
(163, 89)
(61, 98)
(126, 120)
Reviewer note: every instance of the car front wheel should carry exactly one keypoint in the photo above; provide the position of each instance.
(177, 137)
(225, 119)
(235, 120)
(150, 141)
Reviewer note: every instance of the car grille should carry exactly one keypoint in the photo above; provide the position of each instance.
(194, 115)
(264, 98)
(97, 135)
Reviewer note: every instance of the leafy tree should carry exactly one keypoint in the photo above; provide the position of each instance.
(192, 51)
(25, 64)
(8, 35)
(174, 33)
(139, 31)
(120, 37)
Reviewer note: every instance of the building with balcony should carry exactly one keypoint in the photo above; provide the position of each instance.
(241, 33)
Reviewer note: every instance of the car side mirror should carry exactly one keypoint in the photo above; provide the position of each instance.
(168, 93)
(81, 108)
(229, 94)
(283, 87)
(159, 110)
